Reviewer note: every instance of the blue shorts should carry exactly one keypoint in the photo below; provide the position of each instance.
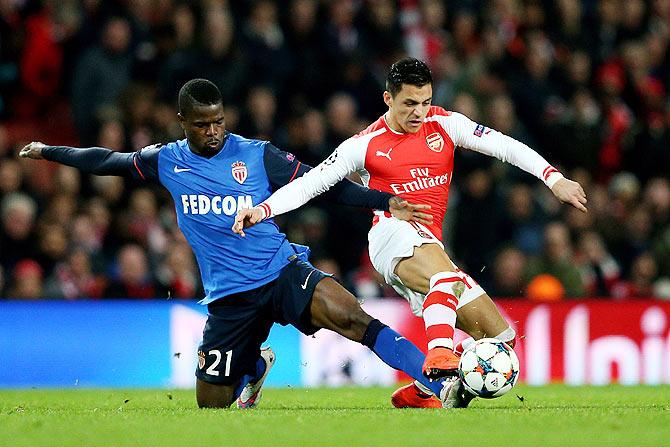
(238, 324)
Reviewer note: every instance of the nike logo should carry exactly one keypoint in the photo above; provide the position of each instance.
(399, 338)
(178, 170)
(384, 154)
(304, 286)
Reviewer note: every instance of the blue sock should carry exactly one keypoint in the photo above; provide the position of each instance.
(246, 379)
(398, 352)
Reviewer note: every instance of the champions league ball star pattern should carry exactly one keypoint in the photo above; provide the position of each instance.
(489, 369)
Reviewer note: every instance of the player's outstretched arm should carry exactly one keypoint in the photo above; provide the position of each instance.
(96, 160)
(477, 137)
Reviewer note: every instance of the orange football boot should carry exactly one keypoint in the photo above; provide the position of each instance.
(410, 396)
(440, 362)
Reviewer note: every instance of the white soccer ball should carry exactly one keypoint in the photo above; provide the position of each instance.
(489, 368)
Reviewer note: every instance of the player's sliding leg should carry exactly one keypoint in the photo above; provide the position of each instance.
(333, 307)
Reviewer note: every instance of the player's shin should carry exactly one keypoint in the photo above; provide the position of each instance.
(439, 309)
(398, 352)
(251, 378)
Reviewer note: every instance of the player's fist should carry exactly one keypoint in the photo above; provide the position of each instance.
(246, 218)
(570, 192)
(404, 210)
(32, 150)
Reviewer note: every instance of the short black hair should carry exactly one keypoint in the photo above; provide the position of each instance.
(408, 70)
(198, 92)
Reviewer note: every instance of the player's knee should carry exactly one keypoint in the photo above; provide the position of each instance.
(508, 336)
(209, 395)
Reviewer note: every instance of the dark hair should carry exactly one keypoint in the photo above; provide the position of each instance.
(197, 92)
(408, 71)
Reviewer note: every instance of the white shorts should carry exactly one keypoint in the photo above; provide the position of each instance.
(391, 240)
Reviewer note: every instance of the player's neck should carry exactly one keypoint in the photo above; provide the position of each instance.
(395, 127)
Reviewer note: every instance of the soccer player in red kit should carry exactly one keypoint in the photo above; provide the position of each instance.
(409, 151)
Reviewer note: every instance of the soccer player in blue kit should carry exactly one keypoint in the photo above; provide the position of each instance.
(254, 281)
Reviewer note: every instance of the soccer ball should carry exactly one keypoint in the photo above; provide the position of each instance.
(489, 368)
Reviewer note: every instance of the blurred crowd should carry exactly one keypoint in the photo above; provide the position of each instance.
(585, 83)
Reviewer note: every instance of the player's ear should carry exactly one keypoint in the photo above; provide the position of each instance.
(181, 118)
(388, 99)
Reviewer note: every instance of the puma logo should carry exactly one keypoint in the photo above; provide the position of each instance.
(384, 154)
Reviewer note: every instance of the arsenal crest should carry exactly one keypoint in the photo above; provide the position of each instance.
(239, 171)
(435, 142)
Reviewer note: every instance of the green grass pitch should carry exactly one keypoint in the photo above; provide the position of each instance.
(351, 417)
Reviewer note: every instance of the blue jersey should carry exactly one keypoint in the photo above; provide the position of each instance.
(207, 194)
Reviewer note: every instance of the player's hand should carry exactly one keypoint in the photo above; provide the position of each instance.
(404, 210)
(32, 150)
(570, 192)
(246, 218)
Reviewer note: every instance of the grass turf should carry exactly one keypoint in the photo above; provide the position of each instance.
(553, 415)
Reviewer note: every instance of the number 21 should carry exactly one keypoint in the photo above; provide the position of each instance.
(229, 356)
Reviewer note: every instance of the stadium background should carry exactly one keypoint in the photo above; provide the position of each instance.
(585, 83)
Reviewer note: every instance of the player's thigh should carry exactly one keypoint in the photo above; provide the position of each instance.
(335, 308)
(310, 299)
(231, 341)
(481, 318)
(428, 259)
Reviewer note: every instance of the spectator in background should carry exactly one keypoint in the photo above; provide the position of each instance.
(74, 278)
(178, 275)
(642, 276)
(342, 118)
(133, 278)
(11, 177)
(522, 220)
(258, 119)
(26, 281)
(508, 270)
(270, 61)
(308, 83)
(600, 271)
(478, 219)
(100, 76)
(52, 246)
(18, 213)
(556, 259)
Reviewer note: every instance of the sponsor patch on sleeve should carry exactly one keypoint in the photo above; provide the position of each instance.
(290, 156)
(480, 130)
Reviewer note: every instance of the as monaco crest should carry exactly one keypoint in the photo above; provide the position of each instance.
(239, 171)
(435, 142)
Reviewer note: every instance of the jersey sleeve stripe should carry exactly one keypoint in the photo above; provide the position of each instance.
(266, 208)
(550, 170)
(295, 172)
(137, 167)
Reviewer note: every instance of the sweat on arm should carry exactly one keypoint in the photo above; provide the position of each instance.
(282, 168)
